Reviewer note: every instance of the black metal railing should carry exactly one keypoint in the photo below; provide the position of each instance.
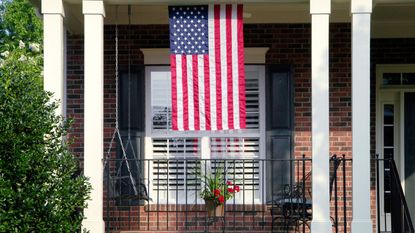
(165, 195)
(392, 210)
(339, 167)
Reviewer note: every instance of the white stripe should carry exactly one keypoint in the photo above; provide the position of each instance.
(235, 71)
(211, 32)
(224, 66)
(201, 80)
(191, 109)
(179, 75)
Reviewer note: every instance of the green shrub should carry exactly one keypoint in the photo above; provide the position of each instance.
(41, 188)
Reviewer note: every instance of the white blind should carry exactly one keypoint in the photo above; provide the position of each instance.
(173, 169)
(175, 161)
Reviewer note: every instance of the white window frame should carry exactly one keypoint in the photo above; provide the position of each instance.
(206, 135)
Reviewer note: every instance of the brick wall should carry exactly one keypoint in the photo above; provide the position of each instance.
(288, 43)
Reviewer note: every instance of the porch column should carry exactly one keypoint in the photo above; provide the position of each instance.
(94, 13)
(320, 12)
(361, 10)
(53, 50)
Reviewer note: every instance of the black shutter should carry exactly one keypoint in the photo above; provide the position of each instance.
(131, 122)
(279, 114)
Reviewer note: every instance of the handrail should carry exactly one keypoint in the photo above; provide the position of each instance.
(399, 224)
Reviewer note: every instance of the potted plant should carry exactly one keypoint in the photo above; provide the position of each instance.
(216, 190)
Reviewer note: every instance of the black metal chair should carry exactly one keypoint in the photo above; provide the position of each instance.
(293, 205)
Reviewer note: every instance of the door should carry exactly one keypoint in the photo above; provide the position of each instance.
(396, 137)
(409, 151)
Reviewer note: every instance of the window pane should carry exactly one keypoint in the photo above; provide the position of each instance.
(388, 114)
(408, 78)
(161, 99)
(388, 136)
(391, 78)
(388, 153)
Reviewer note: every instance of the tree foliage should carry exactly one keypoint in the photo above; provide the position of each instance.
(19, 22)
(41, 189)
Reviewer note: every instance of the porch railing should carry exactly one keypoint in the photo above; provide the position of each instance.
(392, 210)
(164, 195)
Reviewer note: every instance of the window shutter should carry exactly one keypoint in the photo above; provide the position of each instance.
(279, 96)
(131, 116)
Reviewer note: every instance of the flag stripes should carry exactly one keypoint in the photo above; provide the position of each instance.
(208, 86)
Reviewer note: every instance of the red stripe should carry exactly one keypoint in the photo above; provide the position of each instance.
(196, 91)
(174, 90)
(207, 91)
(218, 67)
(185, 94)
(229, 64)
(241, 68)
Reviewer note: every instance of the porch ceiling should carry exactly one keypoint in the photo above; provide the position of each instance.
(390, 18)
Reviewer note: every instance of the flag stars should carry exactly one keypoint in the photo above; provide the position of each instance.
(188, 29)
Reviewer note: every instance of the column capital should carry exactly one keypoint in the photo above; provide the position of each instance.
(93, 7)
(361, 6)
(318, 7)
(54, 7)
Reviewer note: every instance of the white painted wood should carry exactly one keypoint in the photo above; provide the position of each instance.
(94, 114)
(161, 56)
(53, 7)
(318, 7)
(361, 115)
(53, 51)
(320, 11)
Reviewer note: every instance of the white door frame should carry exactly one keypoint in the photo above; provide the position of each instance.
(391, 94)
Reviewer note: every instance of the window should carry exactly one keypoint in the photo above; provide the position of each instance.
(388, 151)
(396, 75)
(184, 149)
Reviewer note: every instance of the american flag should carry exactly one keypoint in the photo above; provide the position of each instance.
(207, 67)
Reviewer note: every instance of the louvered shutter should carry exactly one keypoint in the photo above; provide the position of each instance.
(173, 169)
(241, 167)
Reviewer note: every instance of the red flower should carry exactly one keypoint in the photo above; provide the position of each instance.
(231, 190)
(221, 199)
(228, 182)
(216, 192)
(236, 187)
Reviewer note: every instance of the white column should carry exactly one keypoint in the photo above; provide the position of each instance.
(53, 46)
(320, 12)
(361, 10)
(94, 13)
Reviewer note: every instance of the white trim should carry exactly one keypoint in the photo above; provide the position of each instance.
(205, 136)
(161, 56)
(93, 7)
(94, 118)
(318, 7)
(361, 22)
(53, 7)
(54, 52)
(320, 11)
(361, 6)
(391, 94)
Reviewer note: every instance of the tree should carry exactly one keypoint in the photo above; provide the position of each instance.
(19, 23)
(41, 188)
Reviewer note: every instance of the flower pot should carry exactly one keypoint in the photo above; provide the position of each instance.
(214, 210)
